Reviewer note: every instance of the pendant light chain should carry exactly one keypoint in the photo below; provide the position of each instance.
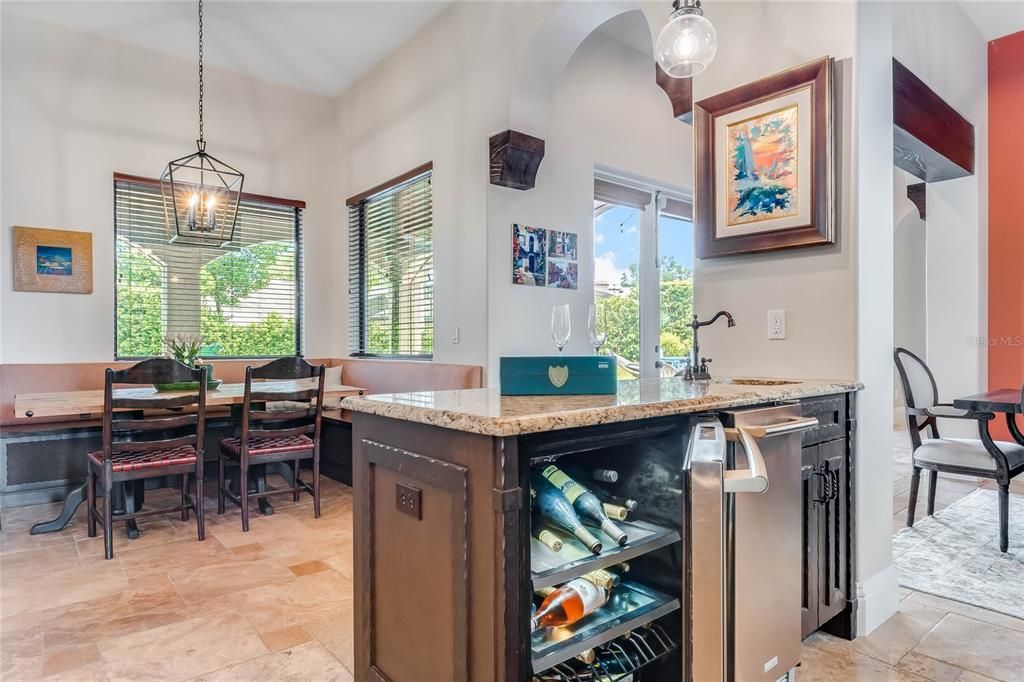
(201, 193)
(201, 141)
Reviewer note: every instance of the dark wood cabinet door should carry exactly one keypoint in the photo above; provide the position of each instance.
(336, 451)
(811, 486)
(833, 533)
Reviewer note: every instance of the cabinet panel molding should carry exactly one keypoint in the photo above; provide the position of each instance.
(444, 484)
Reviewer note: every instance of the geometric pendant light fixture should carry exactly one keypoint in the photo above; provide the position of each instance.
(200, 192)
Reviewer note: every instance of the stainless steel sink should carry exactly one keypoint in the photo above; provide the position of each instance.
(746, 381)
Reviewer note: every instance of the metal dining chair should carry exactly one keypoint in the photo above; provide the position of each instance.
(138, 446)
(982, 457)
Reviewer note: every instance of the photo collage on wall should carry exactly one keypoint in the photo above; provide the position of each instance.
(542, 257)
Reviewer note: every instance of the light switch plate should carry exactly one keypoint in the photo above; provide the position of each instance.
(776, 324)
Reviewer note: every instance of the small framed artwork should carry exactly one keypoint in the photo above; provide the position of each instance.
(563, 274)
(562, 244)
(765, 172)
(529, 255)
(57, 261)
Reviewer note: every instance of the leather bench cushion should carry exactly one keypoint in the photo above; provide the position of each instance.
(400, 376)
(132, 460)
(966, 452)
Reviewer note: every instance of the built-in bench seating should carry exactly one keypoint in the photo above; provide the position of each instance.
(43, 456)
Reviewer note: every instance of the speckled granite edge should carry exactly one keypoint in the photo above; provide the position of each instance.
(485, 411)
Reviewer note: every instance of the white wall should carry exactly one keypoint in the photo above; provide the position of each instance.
(909, 273)
(439, 98)
(607, 112)
(77, 108)
(942, 46)
(817, 286)
(877, 589)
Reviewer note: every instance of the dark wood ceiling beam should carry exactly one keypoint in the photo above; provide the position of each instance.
(931, 140)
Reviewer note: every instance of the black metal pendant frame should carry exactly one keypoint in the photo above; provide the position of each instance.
(202, 175)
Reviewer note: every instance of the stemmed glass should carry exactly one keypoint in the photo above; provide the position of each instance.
(597, 328)
(561, 326)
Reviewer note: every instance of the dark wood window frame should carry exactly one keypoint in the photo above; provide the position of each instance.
(358, 247)
(297, 204)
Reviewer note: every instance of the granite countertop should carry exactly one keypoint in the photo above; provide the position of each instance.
(486, 411)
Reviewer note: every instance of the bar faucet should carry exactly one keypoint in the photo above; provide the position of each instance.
(698, 367)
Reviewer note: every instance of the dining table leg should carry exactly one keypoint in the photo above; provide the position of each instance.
(258, 482)
(71, 504)
(128, 499)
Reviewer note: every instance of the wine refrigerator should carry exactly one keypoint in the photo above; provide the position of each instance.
(692, 555)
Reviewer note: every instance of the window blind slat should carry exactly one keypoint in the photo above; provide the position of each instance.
(245, 299)
(391, 271)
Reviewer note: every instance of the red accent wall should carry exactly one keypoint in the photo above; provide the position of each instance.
(1006, 214)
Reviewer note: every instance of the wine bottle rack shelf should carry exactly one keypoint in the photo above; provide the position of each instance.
(630, 608)
(551, 568)
(616, 660)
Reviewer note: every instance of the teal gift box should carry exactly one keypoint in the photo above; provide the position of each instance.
(558, 375)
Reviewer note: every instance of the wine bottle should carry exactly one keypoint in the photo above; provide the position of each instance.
(601, 475)
(602, 578)
(549, 539)
(620, 569)
(569, 603)
(614, 511)
(606, 475)
(584, 502)
(629, 504)
(557, 511)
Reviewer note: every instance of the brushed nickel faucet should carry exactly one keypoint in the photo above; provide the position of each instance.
(698, 367)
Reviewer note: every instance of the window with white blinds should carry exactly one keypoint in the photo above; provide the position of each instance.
(243, 299)
(391, 269)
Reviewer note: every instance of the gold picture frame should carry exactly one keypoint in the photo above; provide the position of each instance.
(54, 261)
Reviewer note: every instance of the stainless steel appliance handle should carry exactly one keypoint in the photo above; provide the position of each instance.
(782, 428)
(753, 479)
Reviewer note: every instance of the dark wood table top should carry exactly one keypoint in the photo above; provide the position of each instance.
(1006, 400)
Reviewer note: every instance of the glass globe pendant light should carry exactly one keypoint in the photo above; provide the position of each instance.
(200, 193)
(688, 42)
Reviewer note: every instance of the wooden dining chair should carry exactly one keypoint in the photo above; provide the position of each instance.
(981, 458)
(138, 446)
(288, 433)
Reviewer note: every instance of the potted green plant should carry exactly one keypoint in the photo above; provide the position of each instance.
(185, 348)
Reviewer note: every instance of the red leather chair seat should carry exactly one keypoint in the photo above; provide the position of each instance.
(131, 460)
(267, 446)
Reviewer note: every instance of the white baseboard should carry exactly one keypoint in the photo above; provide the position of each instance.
(878, 598)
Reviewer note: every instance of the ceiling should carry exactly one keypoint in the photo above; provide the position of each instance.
(319, 47)
(995, 18)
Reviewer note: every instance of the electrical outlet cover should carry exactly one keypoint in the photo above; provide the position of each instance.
(776, 324)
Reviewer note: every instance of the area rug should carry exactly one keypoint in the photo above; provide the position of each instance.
(955, 553)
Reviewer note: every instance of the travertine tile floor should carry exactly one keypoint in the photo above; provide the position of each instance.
(276, 604)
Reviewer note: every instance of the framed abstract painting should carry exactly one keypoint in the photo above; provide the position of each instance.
(57, 261)
(765, 171)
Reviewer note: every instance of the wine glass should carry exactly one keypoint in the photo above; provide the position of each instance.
(561, 326)
(597, 328)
